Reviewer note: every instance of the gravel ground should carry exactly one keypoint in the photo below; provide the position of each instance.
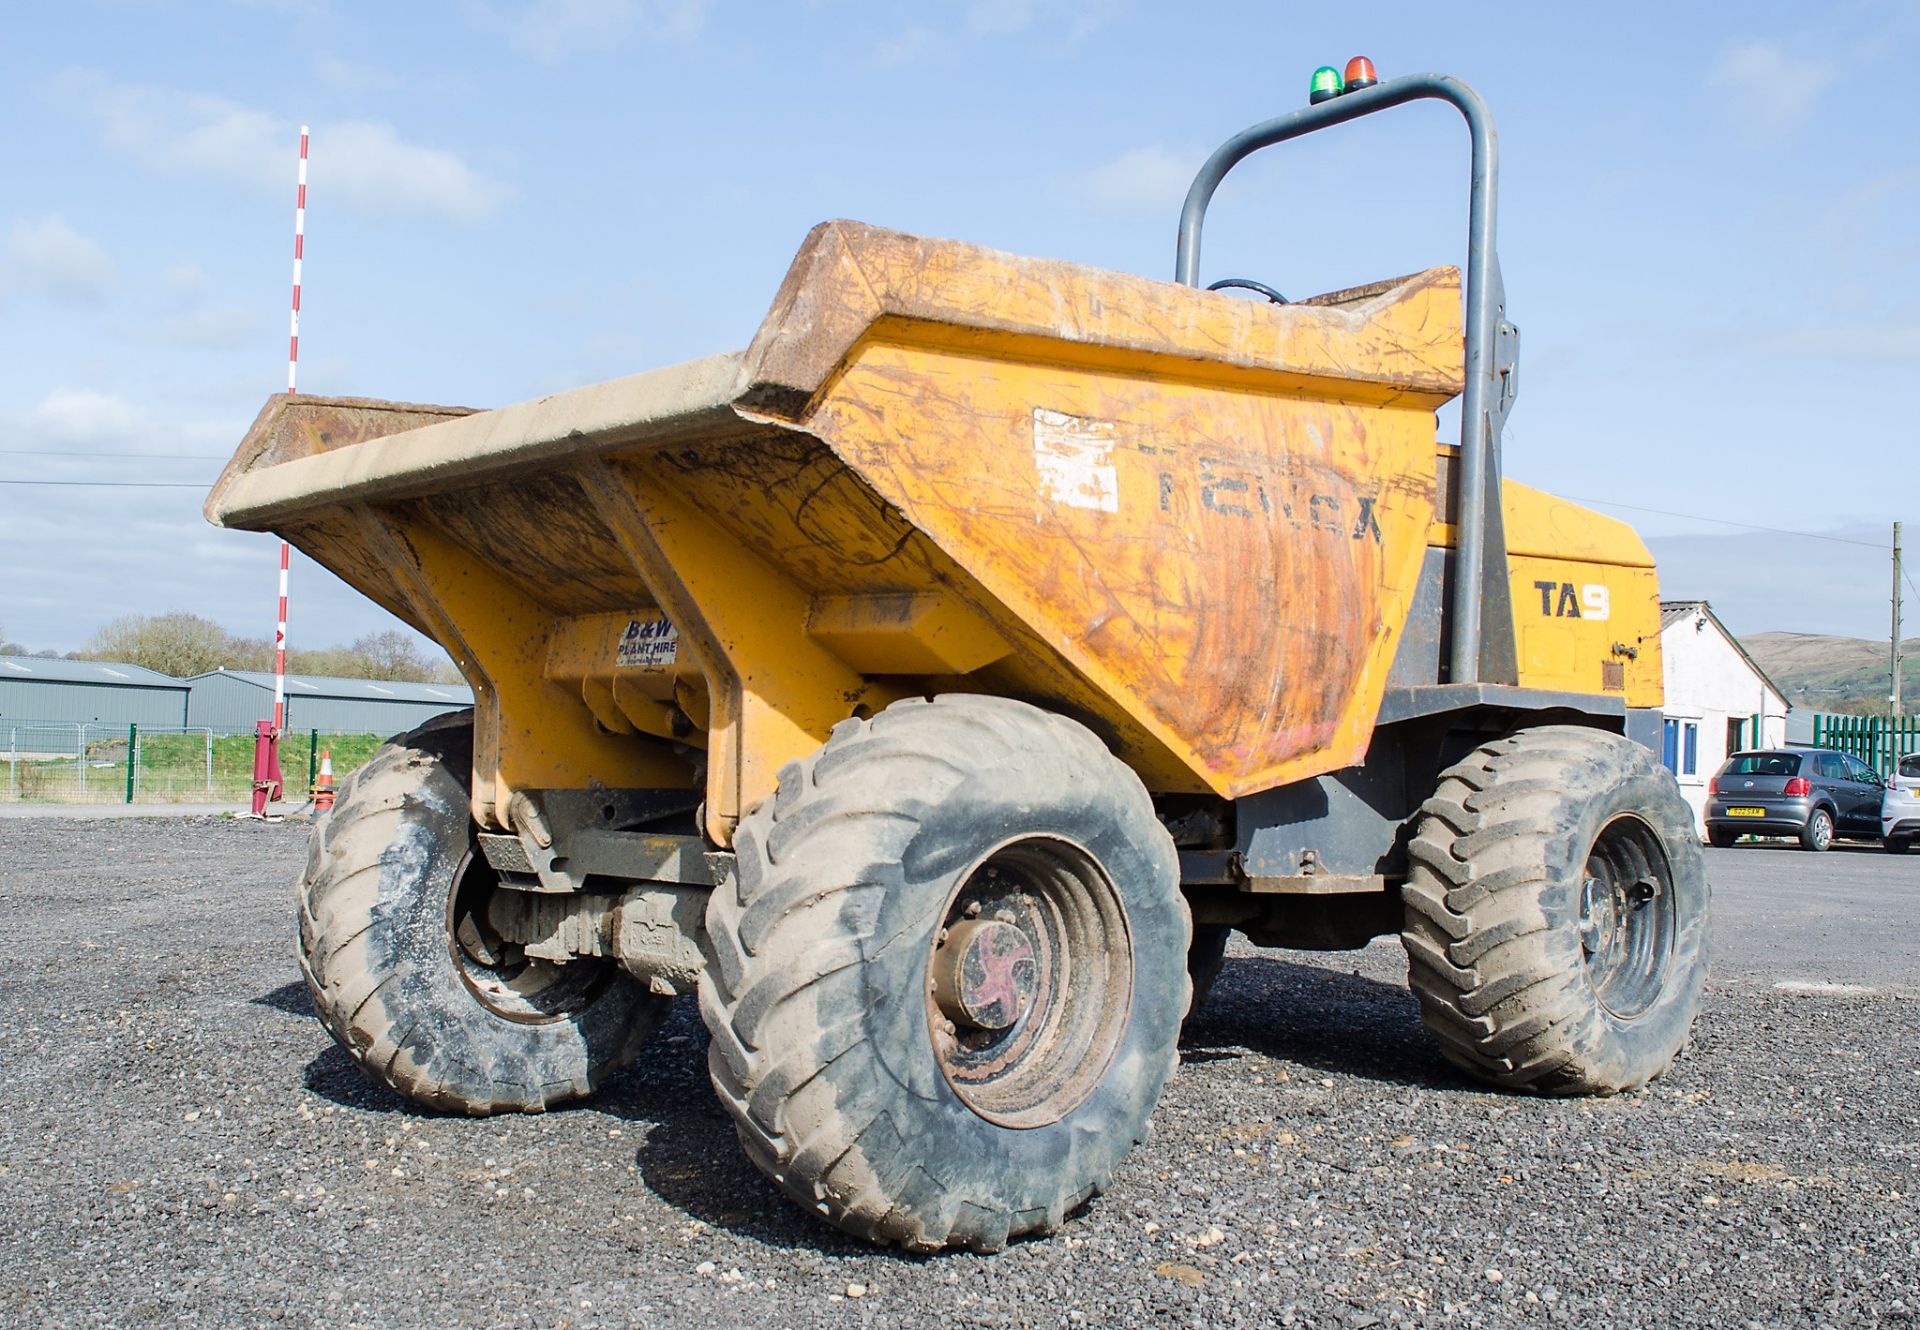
(181, 1144)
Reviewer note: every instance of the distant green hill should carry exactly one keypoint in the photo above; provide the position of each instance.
(1840, 674)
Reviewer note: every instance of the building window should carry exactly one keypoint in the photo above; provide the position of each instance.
(1680, 746)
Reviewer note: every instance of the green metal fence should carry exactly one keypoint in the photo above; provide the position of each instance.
(1878, 741)
(97, 764)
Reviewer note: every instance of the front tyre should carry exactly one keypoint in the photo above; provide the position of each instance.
(947, 984)
(1556, 925)
(408, 976)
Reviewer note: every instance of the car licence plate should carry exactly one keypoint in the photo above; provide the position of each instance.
(1746, 812)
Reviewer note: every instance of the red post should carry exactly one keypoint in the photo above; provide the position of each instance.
(266, 767)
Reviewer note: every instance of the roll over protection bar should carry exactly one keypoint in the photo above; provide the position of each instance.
(1479, 609)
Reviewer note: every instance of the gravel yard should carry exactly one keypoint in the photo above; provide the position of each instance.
(182, 1144)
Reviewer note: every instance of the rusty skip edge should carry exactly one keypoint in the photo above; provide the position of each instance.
(304, 453)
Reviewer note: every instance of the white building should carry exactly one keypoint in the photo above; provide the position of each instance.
(1718, 700)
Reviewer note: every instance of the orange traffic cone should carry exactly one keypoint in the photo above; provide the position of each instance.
(323, 783)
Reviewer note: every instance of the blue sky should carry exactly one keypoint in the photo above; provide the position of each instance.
(1707, 228)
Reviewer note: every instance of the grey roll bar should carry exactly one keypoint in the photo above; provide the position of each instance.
(1480, 572)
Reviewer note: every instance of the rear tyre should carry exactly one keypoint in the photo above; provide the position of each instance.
(1898, 844)
(946, 986)
(1204, 960)
(407, 975)
(1557, 913)
(1817, 835)
(1721, 837)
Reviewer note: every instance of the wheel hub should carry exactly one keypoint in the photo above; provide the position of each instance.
(985, 974)
(1605, 907)
(1597, 915)
(1627, 920)
(1029, 982)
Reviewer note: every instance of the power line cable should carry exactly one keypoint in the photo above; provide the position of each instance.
(1747, 526)
(118, 484)
(158, 457)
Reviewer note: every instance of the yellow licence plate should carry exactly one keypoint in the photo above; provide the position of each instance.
(1746, 812)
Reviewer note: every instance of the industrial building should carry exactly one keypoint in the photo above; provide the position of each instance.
(231, 701)
(40, 691)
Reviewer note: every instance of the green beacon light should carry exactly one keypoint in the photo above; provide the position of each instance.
(1326, 85)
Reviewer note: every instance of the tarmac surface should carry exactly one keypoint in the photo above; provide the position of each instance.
(182, 1144)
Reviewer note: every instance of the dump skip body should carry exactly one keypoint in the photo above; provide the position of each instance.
(1191, 521)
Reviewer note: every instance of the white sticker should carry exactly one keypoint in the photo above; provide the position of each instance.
(1074, 456)
(647, 644)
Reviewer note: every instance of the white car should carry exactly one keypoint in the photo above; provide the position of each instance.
(1900, 811)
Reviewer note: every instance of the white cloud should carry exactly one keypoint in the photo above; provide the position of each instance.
(214, 328)
(552, 30)
(1150, 177)
(81, 416)
(1888, 184)
(893, 52)
(1766, 90)
(352, 76)
(1895, 344)
(380, 174)
(1000, 18)
(186, 281)
(366, 165)
(294, 8)
(46, 257)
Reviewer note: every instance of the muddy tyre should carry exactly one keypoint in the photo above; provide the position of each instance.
(1556, 913)
(947, 982)
(392, 886)
(1204, 960)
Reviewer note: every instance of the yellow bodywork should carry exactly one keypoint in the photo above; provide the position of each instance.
(1586, 601)
(1196, 523)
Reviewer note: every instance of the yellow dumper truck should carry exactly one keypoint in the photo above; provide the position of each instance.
(931, 687)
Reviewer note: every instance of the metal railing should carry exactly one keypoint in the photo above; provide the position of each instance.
(1879, 741)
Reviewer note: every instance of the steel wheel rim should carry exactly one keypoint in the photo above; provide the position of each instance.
(1065, 985)
(499, 974)
(1628, 918)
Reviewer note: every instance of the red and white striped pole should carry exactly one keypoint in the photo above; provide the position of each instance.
(293, 381)
(267, 784)
(299, 245)
(280, 650)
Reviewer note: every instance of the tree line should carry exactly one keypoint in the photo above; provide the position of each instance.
(182, 644)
